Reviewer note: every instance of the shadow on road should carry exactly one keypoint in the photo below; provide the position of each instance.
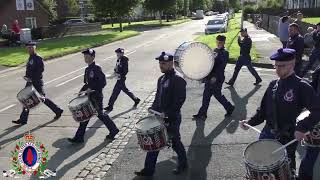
(240, 112)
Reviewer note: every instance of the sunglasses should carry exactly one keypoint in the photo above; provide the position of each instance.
(282, 65)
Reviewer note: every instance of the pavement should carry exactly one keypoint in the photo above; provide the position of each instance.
(214, 146)
(265, 43)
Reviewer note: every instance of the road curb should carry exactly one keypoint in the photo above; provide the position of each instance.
(97, 167)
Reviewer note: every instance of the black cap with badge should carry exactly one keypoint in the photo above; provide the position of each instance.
(283, 54)
(166, 57)
(89, 51)
(221, 38)
(119, 50)
(243, 30)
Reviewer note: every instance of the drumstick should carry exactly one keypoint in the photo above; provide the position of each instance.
(253, 128)
(288, 144)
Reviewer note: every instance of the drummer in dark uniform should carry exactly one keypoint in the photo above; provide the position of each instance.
(35, 68)
(282, 103)
(244, 58)
(214, 81)
(121, 70)
(308, 162)
(296, 42)
(95, 81)
(170, 96)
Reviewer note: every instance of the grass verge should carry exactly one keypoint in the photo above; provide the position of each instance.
(58, 47)
(232, 40)
(146, 24)
(312, 20)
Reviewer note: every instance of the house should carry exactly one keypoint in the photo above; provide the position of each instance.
(299, 4)
(29, 13)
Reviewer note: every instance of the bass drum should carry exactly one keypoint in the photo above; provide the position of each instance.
(194, 60)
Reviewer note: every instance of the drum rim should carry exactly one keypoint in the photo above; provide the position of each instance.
(191, 42)
(77, 98)
(259, 167)
(139, 130)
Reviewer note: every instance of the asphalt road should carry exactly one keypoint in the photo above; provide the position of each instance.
(214, 147)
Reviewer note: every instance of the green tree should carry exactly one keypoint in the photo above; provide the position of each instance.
(73, 7)
(50, 5)
(161, 6)
(114, 9)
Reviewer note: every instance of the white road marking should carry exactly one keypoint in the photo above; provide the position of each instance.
(6, 108)
(69, 80)
(64, 75)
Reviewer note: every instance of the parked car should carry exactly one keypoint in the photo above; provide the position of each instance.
(217, 25)
(199, 14)
(209, 13)
(74, 21)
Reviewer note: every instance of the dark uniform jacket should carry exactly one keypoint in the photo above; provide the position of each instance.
(293, 94)
(35, 68)
(94, 78)
(122, 67)
(297, 43)
(245, 45)
(316, 39)
(220, 63)
(171, 94)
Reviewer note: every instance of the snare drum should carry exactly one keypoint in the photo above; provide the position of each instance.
(261, 164)
(81, 108)
(152, 134)
(29, 97)
(313, 139)
(194, 60)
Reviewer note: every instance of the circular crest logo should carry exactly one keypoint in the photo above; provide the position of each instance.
(29, 157)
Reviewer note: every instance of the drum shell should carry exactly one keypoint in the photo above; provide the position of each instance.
(82, 112)
(153, 139)
(279, 170)
(179, 60)
(29, 97)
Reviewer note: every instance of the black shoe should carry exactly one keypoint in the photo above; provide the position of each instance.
(19, 122)
(75, 141)
(180, 170)
(199, 116)
(257, 82)
(229, 111)
(143, 172)
(108, 108)
(58, 115)
(136, 102)
(229, 83)
(111, 136)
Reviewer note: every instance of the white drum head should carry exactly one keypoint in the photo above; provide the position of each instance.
(259, 153)
(148, 123)
(26, 92)
(196, 61)
(78, 100)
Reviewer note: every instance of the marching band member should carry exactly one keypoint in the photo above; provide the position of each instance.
(95, 80)
(170, 96)
(35, 68)
(282, 103)
(122, 70)
(308, 162)
(214, 81)
(244, 58)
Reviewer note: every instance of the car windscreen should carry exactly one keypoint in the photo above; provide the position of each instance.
(216, 21)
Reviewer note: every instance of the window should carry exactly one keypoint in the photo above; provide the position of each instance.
(31, 22)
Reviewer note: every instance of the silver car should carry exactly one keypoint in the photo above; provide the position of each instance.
(217, 25)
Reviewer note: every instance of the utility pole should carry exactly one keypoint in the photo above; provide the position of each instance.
(241, 14)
